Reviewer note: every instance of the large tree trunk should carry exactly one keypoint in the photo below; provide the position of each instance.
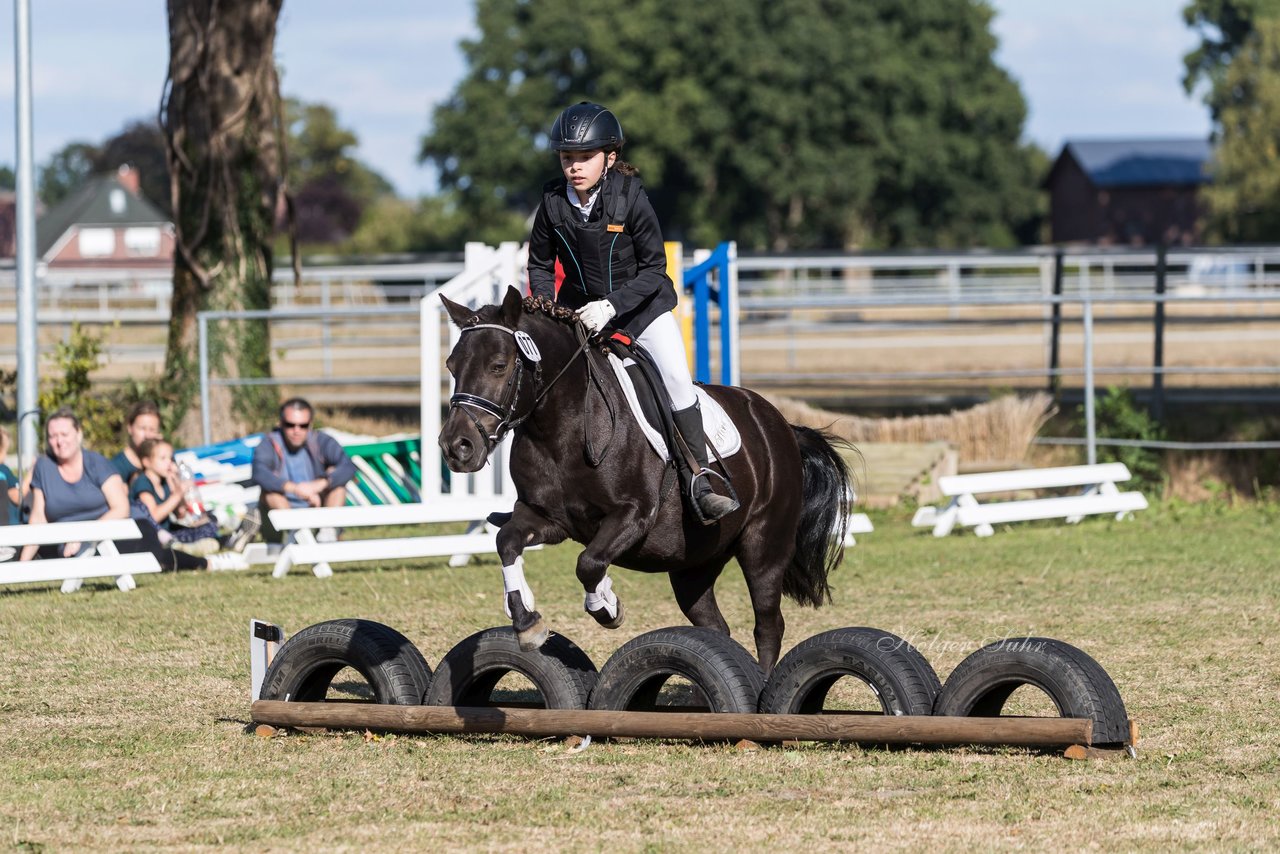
(222, 124)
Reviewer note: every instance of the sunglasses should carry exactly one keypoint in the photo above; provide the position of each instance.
(289, 425)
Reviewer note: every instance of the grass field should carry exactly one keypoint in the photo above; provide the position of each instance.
(122, 716)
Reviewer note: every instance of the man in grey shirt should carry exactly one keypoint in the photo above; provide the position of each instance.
(296, 466)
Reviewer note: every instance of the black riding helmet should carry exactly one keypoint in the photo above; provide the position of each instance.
(585, 127)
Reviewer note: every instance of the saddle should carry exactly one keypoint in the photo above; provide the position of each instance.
(649, 402)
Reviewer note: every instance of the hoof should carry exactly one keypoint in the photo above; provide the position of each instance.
(533, 637)
(602, 617)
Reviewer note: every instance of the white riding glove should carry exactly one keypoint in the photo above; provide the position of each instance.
(594, 315)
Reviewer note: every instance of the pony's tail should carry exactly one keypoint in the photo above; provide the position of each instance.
(823, 519)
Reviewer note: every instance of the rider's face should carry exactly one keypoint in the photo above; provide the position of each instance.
(582, 169)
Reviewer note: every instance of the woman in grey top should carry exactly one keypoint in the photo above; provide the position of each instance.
(71, 484)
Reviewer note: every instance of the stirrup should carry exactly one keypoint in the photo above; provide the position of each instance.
(695, 498)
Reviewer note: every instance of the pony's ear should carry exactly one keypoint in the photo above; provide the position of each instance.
(460, 314)
(512, 306)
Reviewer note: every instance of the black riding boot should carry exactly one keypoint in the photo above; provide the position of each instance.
(711, 506)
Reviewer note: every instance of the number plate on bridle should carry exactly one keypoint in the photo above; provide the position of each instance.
(528, 347)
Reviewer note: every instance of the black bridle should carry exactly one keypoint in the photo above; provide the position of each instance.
(505, 411)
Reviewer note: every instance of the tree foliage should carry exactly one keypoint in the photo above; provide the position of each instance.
(331, 187)
(781, 123)
(1238, 65)
(8, 180)
(68, 168)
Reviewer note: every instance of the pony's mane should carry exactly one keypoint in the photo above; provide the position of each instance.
(551, 308)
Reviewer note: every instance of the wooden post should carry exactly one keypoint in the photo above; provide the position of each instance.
(1157, 374)
(540, 723)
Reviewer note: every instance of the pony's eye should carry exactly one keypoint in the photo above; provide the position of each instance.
(498, 368)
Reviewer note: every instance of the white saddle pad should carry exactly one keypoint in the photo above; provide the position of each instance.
(723, 438)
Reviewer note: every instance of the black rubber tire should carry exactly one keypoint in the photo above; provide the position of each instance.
(894, 669)
(304, 667)
(725, 673)
(1078, 686)
(468, 673)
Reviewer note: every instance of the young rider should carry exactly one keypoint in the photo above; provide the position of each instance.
(597, 221)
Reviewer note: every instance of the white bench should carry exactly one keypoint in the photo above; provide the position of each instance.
(103, 560)
(303, 524)
(1099, 495)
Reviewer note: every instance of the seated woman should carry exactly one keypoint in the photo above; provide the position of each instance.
(72, 484)
(141, 424)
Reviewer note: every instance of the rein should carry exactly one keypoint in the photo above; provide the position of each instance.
(505, 411)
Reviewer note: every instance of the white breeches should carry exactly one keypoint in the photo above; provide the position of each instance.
(663, 341)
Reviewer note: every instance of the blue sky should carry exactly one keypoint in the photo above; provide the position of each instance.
(1088, 68)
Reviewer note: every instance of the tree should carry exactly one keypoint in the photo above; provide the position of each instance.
(8, 180)
(1223, 26)
(1239, 60)
(782, 123)
(223, 129)
(332, 188)
(68, 168)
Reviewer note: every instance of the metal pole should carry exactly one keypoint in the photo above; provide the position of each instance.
(1090, 426)
(326, 333)
(1157, 375)
(1055, 326)
(28, 351)
(202, 333)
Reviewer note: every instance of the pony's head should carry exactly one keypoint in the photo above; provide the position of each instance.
(495, 369)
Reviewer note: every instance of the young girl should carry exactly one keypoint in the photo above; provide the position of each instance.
(158, 493)
(597, 221)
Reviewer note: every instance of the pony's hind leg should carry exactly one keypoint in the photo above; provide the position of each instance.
(695, 591)
(764, 561)
(525, 528)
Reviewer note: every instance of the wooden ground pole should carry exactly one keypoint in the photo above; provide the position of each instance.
(868, 729)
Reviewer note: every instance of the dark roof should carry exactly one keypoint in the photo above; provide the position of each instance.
(1140, 162)
(91, 205)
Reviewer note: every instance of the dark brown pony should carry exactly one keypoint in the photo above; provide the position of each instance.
(584, 471)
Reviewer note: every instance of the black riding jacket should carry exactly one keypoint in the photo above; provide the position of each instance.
(617, 254)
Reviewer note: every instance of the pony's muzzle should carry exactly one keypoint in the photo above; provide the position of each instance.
(463, 451)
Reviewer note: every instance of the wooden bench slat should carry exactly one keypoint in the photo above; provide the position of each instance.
(1050, 508)
(393, 549)
(460, 510)
(69, 532)
(1049, 478)
(61, 569)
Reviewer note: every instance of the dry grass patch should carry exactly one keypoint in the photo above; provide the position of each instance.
(1001, 429)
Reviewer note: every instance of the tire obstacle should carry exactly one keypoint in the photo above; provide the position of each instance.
(621, 699)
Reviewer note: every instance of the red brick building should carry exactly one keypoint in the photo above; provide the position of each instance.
(1128, 192)
(106, 223)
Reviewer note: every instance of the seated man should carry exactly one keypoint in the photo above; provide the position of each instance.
(296, 466)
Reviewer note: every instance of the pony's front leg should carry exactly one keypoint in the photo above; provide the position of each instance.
(525, 528)
(616, 534)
